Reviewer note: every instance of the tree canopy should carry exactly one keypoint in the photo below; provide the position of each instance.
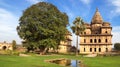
(42, 24)
(77, 28)
(14, 44)
(117, 46)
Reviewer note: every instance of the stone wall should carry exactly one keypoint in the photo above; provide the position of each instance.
(95, 49)
(6, 46)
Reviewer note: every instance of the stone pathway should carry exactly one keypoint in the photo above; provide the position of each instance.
(91, 55)
(24, 55)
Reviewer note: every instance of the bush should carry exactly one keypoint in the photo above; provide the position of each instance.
(15, 53)
(8, 52)
(117, 46)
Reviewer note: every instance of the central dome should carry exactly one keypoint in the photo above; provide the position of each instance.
(97, 19)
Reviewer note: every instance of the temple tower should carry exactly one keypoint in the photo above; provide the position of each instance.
(97, 37)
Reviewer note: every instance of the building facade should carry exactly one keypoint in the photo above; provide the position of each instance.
(65, 46)
(6, 46)
(97, 36)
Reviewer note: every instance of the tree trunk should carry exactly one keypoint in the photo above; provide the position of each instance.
(44, 51)
(77, 45)
(58, 46)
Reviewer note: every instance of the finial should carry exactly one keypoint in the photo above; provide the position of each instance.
(97, 18)
(96, 9)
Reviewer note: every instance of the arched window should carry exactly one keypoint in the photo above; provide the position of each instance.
(84, 49)
(106, 32)
(94, 49)
(84, 40)
(106, 40)
(4, 47)
(90, 40)
(84, 32)
(99, 40)
(106, 49)
(95, 40)
(99, 49)
(90, 49)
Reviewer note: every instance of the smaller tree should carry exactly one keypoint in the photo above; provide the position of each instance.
(117, 46)
(14, 44)
(77, 28)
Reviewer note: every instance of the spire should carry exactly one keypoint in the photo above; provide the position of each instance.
(97, 10)
(97, 19)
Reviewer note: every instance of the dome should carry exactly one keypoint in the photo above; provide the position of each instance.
(87, 25)
(97, 19)
(106, 24)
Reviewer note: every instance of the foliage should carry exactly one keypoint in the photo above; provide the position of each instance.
(117, 46)
(77, 28)
(14, 44)
(42, 24)
(5, 52)
(9, 52)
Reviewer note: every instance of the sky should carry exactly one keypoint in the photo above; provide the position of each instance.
(12, 10)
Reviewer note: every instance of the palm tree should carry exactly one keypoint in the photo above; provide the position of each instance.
(77, 28)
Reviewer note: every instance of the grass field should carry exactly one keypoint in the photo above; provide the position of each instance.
(38, 61)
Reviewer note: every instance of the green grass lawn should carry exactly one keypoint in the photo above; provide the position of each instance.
(38, 61)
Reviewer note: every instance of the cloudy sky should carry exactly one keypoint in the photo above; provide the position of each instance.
(11, 11)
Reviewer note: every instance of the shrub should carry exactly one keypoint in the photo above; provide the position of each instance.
(117, 46)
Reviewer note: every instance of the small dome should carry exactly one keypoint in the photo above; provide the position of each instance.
(106, 24)
(87, 24)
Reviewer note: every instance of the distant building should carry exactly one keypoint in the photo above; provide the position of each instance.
(97, 36)
(6, 46)
(20, 48)
(65, 46)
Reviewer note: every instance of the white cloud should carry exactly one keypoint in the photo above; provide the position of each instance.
(74, 40)
(35, 1)
(116, 28)
(116, 34)
(116, 5)
(69, 12)
(8, 23)
(114, 12)
(116, 37)
(87, 2)
(2, 3)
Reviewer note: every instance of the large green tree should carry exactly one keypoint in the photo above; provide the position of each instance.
(42, 26)
(77, 28)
